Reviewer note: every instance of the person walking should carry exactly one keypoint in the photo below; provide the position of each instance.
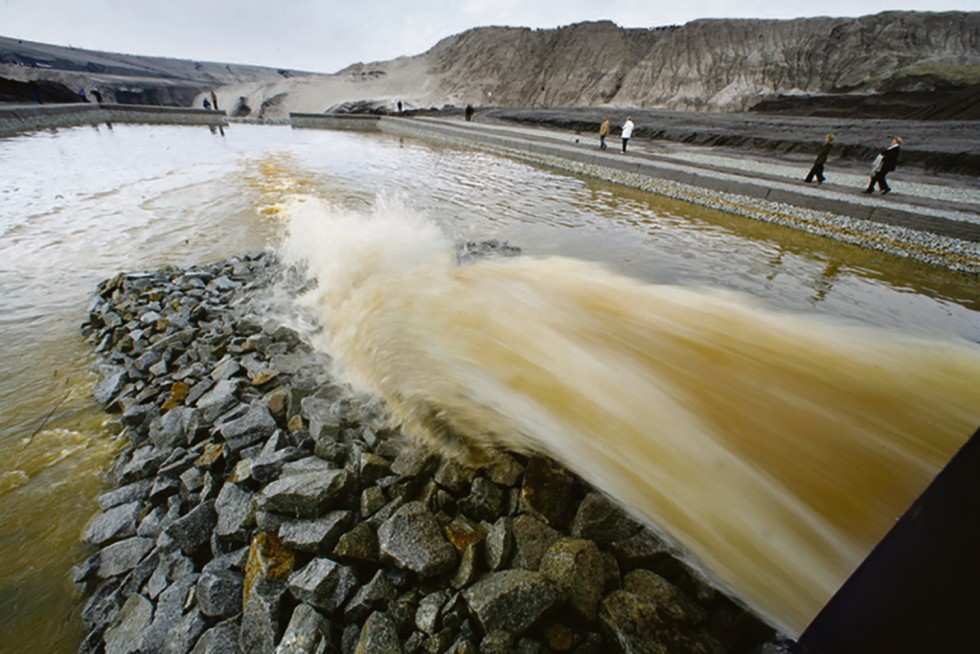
(817, 169)
(628, 127)
(604, 130)
(885, 162)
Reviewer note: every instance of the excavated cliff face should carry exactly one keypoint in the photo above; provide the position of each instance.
(583, 64)
(718, 65)
(730, 65)
(129, 79)
(705, 65)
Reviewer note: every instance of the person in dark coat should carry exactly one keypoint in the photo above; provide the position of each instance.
(817, 169)
(886, 161)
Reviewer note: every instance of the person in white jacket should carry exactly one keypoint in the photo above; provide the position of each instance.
(627, 131)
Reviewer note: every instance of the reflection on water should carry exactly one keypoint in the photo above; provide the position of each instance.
(80, 204)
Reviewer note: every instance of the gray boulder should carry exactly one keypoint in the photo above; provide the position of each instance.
(260, 617)
(378, 636)
(413, 540)
(429, 614)
(511, 600)
(306, 495)
(236, 512)
(484, 501)
(323, 583)
(168, 614)
(372, 596)
(645, 550)
(547, 491)
(125, 494)
(109, 387)
(219, 593)
(125, 635)
(219, 639)
(359, 545)
(532, 538)
(307, 632)
(194, 529)
(217, 400)
(123, 556)
(575, 567)
(255, 426)
(318, 535)
(634, 623)
(600, 520)
(116, 523)
(499, 543)
(185, 634)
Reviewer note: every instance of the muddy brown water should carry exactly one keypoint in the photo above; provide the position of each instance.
(81, 204)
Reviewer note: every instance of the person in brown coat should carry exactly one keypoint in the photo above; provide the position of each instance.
(817, 169)
(603, 132)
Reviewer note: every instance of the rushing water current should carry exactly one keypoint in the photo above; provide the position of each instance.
(771, 400)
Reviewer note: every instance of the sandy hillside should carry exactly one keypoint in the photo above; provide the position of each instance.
(407, 79)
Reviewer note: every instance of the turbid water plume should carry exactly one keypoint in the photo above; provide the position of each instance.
(775, 449)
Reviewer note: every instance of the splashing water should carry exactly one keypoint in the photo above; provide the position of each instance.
(775, 449)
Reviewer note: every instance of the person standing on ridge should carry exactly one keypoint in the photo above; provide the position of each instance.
(627, 131)
(817, 169)
(603, 132)
(886, 161)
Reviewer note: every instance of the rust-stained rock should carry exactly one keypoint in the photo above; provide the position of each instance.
(268, 558)
(210, 456)
(177, 394)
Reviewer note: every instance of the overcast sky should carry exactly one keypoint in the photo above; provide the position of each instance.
(327, 35)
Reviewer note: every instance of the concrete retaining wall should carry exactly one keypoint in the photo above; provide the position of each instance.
(357, 122)
(26, 118)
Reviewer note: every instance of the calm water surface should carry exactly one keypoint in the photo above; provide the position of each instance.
(78, 205)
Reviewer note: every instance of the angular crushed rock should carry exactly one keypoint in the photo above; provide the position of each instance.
(261, 506)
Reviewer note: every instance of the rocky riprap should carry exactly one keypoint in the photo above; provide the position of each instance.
(258, 506)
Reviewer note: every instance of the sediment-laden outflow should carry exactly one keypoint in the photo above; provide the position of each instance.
(260, 505)
(776, 449)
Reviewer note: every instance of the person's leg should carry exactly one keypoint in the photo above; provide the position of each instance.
(820, 177)
(602, 142)
(882, 184)
(810, 175)
(625, 141)
(871, 185)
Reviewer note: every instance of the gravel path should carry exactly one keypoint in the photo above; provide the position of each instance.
(846, 178)
(927, 217)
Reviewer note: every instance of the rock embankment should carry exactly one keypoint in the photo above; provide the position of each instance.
(258, 506)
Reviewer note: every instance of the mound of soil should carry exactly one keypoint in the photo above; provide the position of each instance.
(943, 103)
